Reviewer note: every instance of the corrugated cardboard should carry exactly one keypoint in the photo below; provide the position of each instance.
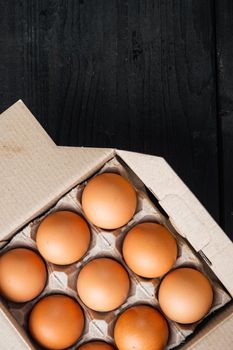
(12, 337)
(35, 174)
(186, 213)
(217, 333)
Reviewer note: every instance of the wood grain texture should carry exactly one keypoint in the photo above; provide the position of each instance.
(224, 40)
(131, 74)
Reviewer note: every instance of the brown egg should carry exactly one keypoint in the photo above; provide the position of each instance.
(56, 322)
(96, 345)
(103, 284)
(23, 275)
(109, 201)
(141, 327)
(185, 295)
(149, 250)
(63, 237)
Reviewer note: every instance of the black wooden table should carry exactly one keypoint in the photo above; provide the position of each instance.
(143, 75)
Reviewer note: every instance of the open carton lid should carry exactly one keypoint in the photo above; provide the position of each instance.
(35, 173)
(217, 333)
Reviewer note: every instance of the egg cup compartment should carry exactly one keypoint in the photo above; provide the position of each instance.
(108, 243)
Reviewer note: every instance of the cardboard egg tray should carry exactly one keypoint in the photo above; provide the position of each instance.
(62, 279)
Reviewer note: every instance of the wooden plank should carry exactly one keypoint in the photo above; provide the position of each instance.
(224, 40)
(131, 74)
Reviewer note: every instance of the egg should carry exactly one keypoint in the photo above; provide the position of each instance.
(141, 327)
(96, 345)
(185, 295)
(149, 250)
(56, 322)
(103, 284)
(63, 237)
(23, 275)
(109, 201)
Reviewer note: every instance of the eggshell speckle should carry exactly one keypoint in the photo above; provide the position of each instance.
(141, 327)
(103, 284)
(23, 275)
(109, 201)
(185, 295)
(56, 322)
(63, 237)
(149, 250)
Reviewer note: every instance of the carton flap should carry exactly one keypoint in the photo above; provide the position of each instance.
(17, 120)
(186, 221)
(10, 329)
(186, 213)
(217, 333)
(34, 173)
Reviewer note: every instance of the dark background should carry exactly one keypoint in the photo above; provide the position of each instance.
(143, 75)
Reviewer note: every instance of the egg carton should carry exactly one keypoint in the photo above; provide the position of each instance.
(62, 279)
